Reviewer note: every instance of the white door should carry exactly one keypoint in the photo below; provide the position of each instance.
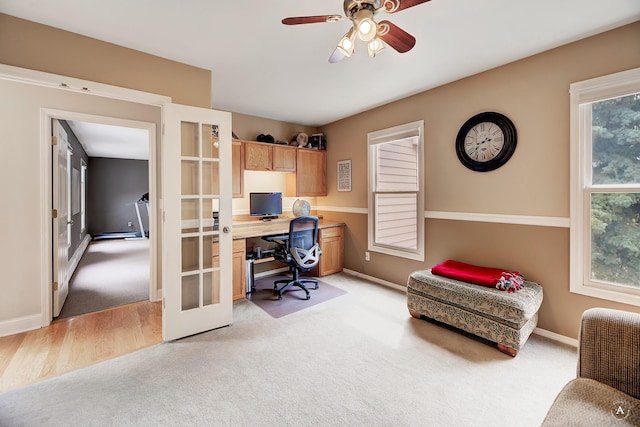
(196, 181)
(61, 222)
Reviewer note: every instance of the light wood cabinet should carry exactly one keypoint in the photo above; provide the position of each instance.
(269, 157)
(258, 156)
(237, 169)
(311, 173)
(239, 269)
(284, 158)
(238, 266)
(331, 242)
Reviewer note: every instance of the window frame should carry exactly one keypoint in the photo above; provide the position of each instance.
(413, 129)
(582, 95)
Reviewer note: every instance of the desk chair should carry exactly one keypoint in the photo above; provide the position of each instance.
(300, 252)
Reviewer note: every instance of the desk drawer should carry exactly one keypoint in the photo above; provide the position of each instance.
(331, 232)
(238, 246)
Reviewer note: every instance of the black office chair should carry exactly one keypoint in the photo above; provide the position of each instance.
(300, 252)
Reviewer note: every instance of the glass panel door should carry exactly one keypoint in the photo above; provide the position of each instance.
(198, 285)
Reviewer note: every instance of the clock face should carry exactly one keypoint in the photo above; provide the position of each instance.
(486, 141)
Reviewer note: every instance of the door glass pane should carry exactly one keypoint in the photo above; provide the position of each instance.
(190, 292)
(190, 177)
(210, 141)
(190, 254)
(190, 215)
(211, 288)
(207, 215)
(615, 238)
(189, 139)
(210, 178)
(207, 253)
(615, 132)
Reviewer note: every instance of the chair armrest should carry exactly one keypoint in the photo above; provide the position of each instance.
(609, 349)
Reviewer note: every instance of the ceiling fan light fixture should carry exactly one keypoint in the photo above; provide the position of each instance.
(374, 47)
(347, 43)
(367, 27)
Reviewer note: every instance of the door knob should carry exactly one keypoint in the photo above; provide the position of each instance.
(70, 222)
(226, 229)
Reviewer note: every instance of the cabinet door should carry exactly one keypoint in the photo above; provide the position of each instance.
(257, 156)
(239, 269)
(332, 246)
(237, 169)
(311, 176)
(284, 159)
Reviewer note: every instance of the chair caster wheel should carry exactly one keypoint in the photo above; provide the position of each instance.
(279, 296)
(308, 296)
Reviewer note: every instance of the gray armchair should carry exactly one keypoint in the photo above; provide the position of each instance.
(607, 388)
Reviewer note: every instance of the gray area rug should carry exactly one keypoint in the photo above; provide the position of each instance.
(111, 273)
(293, 300)
(357, 360)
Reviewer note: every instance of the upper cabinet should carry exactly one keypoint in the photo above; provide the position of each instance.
(310, 166)
(284, 158)
(311, 176)
(237, 169)
(259, 156)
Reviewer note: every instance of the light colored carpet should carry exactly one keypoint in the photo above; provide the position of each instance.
(111, 273)
(294, 299)
(357, 360)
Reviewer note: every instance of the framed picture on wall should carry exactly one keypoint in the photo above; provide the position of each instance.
(344, 175)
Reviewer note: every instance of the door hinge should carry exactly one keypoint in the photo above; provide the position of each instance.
(163, 303)
(55, 286)
(54, 213)
(54, 140)
(163, 129)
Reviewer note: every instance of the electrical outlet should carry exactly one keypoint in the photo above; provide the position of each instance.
(367, 257)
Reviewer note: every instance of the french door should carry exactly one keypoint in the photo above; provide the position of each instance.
(61, 219)
(196, 181)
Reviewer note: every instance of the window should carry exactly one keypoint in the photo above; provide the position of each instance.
(396, 201)
(605, 187)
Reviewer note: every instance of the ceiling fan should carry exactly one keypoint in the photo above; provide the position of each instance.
(362, 13)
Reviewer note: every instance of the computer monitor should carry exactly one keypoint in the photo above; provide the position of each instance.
(265, 205)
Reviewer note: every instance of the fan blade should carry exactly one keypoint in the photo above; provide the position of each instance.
(311, 19)
(336, 56)
(393, 6)
(395, 37)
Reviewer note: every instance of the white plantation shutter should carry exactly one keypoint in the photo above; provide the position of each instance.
(395, 193)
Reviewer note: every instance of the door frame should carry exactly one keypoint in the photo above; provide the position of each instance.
(101, 90)
(46, 116)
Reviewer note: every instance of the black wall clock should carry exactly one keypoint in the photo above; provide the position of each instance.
(486, 141)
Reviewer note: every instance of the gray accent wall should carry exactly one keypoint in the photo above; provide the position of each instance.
(77, 234)
(114, 186)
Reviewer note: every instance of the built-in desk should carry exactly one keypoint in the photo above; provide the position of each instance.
(330, 239)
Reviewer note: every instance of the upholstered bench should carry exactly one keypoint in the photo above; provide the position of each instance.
(504, 318)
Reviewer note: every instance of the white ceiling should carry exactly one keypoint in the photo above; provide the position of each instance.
(115, 142)
(261, 67)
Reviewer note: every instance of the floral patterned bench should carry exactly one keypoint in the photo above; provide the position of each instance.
(504, 318)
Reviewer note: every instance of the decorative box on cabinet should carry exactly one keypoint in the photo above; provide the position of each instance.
(332, 245)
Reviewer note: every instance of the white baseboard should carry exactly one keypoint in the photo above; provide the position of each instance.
(20, 324)
(538, 331)
(375, 280)
(556, 337)
(77, 255)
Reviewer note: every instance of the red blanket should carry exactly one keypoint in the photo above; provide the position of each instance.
(486, 276)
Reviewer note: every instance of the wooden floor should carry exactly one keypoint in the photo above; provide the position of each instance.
(76, 342)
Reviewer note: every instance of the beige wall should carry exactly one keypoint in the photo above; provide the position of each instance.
(532, 92)
(39, 47)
